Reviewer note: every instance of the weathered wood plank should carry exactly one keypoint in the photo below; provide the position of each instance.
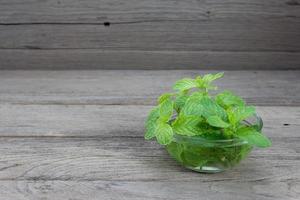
(93, 11)
(210, 35)
(112, 121)
(123, 164)
(138, 87)
(199, 34)
(136, 190)
(122, 59)
(132, 159)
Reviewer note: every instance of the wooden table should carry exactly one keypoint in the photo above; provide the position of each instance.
(79, 135)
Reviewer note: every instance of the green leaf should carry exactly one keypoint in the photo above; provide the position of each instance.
(253, 137)
(237, 114)
(187, 125)
(211, 108)
(184, 84)
(164, 133)
(217, 122)
(211, 77)
(227, 99)
(205, 81)
(153, 115)
(166, 110)
(180, 101)
(245, 111)
(164, 97)
(150, 131)
(193, 105)
(151, 123)
(232, 118)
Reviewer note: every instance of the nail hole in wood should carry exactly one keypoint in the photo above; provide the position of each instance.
(106, 23)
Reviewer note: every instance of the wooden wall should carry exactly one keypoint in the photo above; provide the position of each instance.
(149, 34)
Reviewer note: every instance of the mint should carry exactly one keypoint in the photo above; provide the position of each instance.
(151, 123)
(164, 97)
(193, 111)
(216, 121)
(253, 137)
(184, 84)
(205, 81)
(211, 108)
(166, 110)
(227, 99)
(150, 131)
(180, 101)
(243, 112)
(208, 78)
(200, 82)
(187, 125)
(164, 133)
(239, 113)
(192, 105)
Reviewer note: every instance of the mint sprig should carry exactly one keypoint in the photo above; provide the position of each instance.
(192, 111)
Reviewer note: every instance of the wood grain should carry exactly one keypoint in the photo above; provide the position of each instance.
(212, 35)
(62, 190)
(139, 87)
(131, 161)
(149, 34)
(112, 121)
(131, 158)
(99, 11)
(107, 190)
(70, 59)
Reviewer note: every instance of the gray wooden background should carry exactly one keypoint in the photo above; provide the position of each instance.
(149, 34)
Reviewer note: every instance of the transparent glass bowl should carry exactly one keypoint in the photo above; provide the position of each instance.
(211, 156)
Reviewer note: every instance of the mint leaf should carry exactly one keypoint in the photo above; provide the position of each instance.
(211, 108)
(232, 118)
(164, 133)
(151, 123)
(253, 137)
(245, 111)
(237, 114)
(150, 131)
(193, 106)
(180, 101)
(227, 99)
(164, 97)
(166, 110)
(212, 77)
(205, 81)
(184, 84)
(187, 125)
(217, 122)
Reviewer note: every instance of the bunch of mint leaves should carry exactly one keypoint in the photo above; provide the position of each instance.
(192, 111)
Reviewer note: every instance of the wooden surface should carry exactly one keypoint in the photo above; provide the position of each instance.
(141, 34)
(79, 135)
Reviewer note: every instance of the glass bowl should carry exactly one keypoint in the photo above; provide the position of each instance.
(210, 156)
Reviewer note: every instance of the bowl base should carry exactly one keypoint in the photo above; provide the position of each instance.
(206, 169)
